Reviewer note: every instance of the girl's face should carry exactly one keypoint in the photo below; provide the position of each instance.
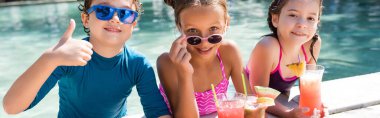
(203, 21)
(111, 32)
(298, 20)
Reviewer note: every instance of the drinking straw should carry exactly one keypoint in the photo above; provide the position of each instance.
(245, 88)
(299, 58)
(213, 91)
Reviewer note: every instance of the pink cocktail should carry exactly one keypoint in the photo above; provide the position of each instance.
(310, 88)
(231, 107)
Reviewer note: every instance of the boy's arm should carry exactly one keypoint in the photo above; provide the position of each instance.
(151, 100)
(25, 88)
(67, 52)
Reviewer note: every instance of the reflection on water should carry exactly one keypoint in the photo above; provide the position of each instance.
(349, 31)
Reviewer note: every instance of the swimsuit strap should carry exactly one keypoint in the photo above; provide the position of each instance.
(221, 64)
(304, 53)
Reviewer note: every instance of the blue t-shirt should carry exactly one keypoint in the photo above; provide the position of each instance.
(100, 88)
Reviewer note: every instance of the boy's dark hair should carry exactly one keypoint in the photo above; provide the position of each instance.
(87, 4)
(275, 8)
(179, 5)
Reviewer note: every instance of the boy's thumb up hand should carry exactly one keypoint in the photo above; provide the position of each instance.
(69, 31)
(70, 52)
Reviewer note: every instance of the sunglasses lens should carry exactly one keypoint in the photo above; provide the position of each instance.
(127, 16)
(104, 13)
(215, 39)
(194, 40)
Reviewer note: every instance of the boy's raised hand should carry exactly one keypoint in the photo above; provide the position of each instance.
(180, 56)
(70, 52)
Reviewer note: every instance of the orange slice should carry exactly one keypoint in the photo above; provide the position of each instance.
(297, 68)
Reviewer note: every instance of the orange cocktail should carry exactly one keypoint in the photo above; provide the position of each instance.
(310, 88)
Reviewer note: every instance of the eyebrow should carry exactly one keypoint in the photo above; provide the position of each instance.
(312, 13)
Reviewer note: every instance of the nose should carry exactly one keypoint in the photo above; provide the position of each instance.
(301, 23)
(115, 18)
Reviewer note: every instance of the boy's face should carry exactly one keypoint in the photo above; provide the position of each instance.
(109, 32)
(203, 21)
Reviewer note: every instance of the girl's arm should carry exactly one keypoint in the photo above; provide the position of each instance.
(231, 55)
(175, 73)
(261, 61)
(260, 65)
(25, 88)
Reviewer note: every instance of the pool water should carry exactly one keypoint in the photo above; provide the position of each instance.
(349, 29)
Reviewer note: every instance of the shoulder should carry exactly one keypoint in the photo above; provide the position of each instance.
(265, 52)
(165, 69)
(229, 47)
(135, 61)
(268, 42)
(163, 58)
(267, 46)
(163, 61)
(134, 56)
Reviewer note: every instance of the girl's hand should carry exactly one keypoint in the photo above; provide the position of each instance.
(297, 112)
(325, 111)
(180, 56)
(68, 51)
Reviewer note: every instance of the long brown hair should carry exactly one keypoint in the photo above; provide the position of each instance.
(275, 8)
(87, 4)
(179, 5)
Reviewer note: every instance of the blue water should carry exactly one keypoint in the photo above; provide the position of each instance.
(349, 29)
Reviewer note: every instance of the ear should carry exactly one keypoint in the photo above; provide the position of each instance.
(84, 18)
(179, 27)
(228, 21)
(134, 24)
(227, 25)
(275, 20)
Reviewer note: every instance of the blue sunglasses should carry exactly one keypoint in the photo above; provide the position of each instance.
(126, 16)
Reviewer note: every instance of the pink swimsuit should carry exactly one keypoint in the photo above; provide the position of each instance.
(205, 100)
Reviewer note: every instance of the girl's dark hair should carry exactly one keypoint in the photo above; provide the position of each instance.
(275, 8)
(179, 5)
(87, 5)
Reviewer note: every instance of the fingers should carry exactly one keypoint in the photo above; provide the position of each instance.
(86, 57)
(187, 57)
(182, 40)
(87, 50)
(305, 109)
(82, 59)
(81, 62)
(86, 47)
(181, 54)
(177, 46)
(69, 31)
(88, 44)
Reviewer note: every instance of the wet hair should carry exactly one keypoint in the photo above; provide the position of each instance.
(275, 8)
(87, 4)
(179, 5)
